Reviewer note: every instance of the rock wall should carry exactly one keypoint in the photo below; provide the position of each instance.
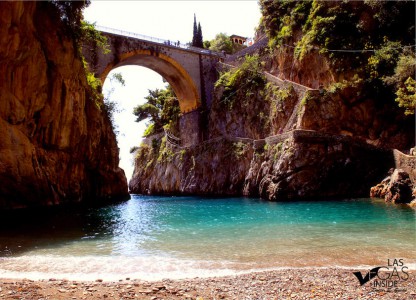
(313, 71)
(407, 163)
(400, 184)
(56, 144)
(329, 138)
(300, 165)
(341, 111)
(295, 164)
(217, 167)
(302, 157)
(314, 165)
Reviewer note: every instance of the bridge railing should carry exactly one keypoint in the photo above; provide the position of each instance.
(171, 43)
(141, 36)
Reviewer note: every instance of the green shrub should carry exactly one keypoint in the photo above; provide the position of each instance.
(248, 77)
(406, 96)
(357, 38)
(150, 130)
(161, 109)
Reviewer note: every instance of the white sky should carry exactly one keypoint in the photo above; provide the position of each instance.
(171, 20)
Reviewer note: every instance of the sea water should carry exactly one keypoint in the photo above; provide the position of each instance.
(176, 237)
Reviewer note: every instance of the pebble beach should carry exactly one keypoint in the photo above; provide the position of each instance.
(299, 283)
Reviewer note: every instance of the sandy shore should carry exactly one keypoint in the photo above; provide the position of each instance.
(281, 284)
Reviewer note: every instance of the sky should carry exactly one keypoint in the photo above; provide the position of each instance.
(170, 20)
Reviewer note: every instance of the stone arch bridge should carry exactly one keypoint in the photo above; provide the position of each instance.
(190, 71)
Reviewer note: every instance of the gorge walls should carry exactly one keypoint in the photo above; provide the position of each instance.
(56, 143)
(321, 106)
(278, 141)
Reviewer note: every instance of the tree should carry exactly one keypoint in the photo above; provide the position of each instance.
(406, 96)
(90, 35)
(207, 44)
(162, 109)
(70, 13)
(403, 81)
(222, 42)
(197, 40)
(195, 33)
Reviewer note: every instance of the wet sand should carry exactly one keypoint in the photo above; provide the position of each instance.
(330, 283)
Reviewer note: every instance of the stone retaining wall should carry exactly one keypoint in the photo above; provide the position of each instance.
(405, 162)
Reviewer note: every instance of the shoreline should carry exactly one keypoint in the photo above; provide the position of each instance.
(178, 275)
(290, 283)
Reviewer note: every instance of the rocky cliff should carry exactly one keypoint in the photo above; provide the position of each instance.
(310, 164)
(318, 124)
(289, 144)
(56, 144)
(216, 167)
(399, 186)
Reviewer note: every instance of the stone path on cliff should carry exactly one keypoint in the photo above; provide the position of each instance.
(298, 135)
(288, 130)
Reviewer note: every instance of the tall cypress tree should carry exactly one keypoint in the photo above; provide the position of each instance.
(199, 40)
(195, 34)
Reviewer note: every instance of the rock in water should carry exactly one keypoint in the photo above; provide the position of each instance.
(396, 188)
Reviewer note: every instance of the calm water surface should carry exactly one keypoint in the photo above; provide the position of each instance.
(160, 237)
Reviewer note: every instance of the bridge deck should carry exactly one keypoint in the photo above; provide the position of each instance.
(168, 43)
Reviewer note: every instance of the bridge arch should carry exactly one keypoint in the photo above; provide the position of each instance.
(182, 83)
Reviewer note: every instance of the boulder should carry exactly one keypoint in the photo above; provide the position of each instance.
(396, 188)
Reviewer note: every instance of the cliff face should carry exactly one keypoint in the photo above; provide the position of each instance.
(345, 111)
(56, 145)
(217, 167)
(400, 184)
(316, 145)
(308, 164)
(318, 125)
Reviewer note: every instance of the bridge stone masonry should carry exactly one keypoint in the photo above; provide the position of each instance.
(190, 71)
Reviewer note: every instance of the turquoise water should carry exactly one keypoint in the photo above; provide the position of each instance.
(160, 237)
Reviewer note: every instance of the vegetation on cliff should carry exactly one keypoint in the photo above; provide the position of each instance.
(162, 110)
(217, 167)
(368, 40)
(70, 14)
(249, 105)
(82, 33)
(247, 77)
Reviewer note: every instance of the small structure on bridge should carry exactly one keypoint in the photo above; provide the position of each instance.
(237, 39)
